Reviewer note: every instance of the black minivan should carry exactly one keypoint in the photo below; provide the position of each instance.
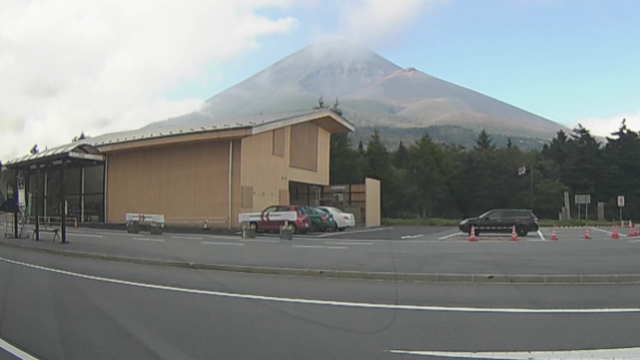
(502, 220)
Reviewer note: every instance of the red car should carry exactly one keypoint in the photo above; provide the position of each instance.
(301, 225)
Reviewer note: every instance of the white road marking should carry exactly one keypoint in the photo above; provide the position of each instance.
(412, 236)
(354, 232)
(15, 351)
(187, 237)
(618, 354)
(541, 236)
(348, 243)
(319, 247)
(323, 302)
(221, 243)
(604, 231)
(86, 235)
(452, 235)
(147, 239)
(271, 241)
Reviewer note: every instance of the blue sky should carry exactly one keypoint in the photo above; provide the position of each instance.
(565, 60)
(100, 67)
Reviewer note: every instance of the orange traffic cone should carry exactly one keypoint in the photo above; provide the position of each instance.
(587, 234)
(616, 233)
(554, 235)
(514, 235)
(472, 234)
(633, 232)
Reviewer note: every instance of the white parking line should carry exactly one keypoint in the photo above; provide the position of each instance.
(348, 243)
(86, 235)
(619, 354)
(604, 231)
(147, 239)
(336, 303)
(452, 235)
(187, 237)
(15, 351)
(221, 243)
(412, 236)
(354, 232)
(319, 247)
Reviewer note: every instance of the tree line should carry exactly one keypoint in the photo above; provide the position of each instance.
(431, 179)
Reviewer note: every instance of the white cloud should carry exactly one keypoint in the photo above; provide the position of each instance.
(72, 65)
(604, 126)
(376, 20)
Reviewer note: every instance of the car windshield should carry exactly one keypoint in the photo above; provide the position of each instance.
(320, 179)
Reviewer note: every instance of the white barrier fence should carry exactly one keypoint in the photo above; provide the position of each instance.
(268, 216)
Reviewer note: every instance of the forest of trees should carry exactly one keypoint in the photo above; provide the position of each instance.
(429, 179)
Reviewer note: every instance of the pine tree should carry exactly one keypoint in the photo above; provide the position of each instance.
(401, 157)
(484, 142)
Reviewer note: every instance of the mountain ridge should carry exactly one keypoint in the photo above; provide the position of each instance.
(373, 92)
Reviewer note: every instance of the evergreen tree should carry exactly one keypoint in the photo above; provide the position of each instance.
(484, 143)
(401, 157)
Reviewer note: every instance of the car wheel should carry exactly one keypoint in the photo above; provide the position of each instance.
(521, 231)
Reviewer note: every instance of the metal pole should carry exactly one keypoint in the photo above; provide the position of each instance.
(15, 221)
(230, 213)
(586, 208)
(44, 196)
(37, 219)
(82, 195)
(63, 207)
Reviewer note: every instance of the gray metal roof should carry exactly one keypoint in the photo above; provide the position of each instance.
(199, 121)
(196, 122)
(78, 147)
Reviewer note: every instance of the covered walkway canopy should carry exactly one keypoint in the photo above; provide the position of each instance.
(43, 192)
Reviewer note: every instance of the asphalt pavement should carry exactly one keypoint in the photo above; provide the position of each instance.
(421, 250)
(60, 307)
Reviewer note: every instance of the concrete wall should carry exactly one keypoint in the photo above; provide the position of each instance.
(372, 217)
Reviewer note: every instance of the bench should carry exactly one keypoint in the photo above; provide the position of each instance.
(44, 228)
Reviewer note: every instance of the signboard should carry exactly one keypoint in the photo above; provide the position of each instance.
(142, 218)
(522, 170)
(21, 199)
(621, 201)
(270, 216)
(583, 199)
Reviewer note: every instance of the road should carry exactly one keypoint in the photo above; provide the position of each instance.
(57, 307)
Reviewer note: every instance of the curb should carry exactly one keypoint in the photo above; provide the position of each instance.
(358, 275)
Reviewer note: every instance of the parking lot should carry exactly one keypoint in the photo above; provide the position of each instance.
(411, 249)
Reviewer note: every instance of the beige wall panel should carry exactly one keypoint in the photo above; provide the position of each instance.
(263, 171)
(372, 212)
(303, 148)
(186, 183)
(269, 175)
(278, 141)
(236, 177)
(321, 176)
